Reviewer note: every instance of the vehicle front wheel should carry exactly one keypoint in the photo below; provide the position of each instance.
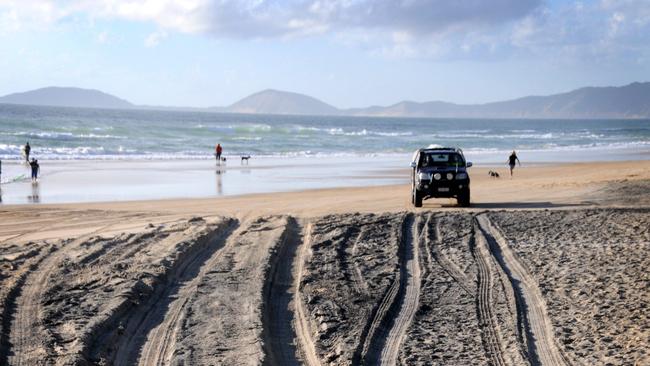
(463, 198)
(412, 195)
(417, 198)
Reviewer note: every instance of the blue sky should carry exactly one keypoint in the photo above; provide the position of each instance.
(349, 53)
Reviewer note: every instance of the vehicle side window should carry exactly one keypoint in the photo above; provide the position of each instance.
(424, 160)
(455, 160)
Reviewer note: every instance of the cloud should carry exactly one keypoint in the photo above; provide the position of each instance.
(155, 38)
(599, 30)
(397, 28)
(281, 18)
(102, 37)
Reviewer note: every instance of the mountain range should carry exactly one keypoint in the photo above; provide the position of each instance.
(629, 101)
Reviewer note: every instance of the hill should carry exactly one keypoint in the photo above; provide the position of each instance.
(630, 101)
(280, 102)
(67, 97)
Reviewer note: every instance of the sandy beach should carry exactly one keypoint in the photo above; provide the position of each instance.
(324, 183)
(548, 268)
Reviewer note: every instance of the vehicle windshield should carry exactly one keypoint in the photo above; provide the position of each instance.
(441, 159)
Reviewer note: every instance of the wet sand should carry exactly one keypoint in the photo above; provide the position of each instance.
(77, 181)
(549, 268)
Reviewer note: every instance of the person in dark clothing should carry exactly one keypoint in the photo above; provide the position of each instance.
(512, 159)
(27, 149)
(35, 169)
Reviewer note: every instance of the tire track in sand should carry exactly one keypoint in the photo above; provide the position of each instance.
(410, 281)
(13, 291)
(359, 282)
(281, 300)
(25, 335)
(542, 347)
(425, 257)
(152, 331)
(306, 345)
(447, 265)
(392, 317)
(487, 322)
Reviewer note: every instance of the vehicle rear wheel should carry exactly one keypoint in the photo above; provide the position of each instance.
(417, 198)
(463, 198)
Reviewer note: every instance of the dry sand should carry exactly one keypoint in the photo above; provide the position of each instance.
(548, 268)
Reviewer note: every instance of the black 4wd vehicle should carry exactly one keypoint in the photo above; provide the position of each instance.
(440, 172)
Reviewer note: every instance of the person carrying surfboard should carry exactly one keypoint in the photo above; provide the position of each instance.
(26, 150)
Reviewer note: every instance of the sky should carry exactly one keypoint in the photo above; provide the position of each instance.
(349, 53)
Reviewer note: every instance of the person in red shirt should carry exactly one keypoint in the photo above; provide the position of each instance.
(218, 151)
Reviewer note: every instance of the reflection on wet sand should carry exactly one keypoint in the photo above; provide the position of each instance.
(220, 172)
(35, 197)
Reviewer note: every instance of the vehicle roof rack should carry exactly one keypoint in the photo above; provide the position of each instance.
(441, 148)
(436, 147)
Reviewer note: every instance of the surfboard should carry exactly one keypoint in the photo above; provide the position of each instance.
(15, 179)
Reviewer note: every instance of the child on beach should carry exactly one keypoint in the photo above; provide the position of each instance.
(511, 161)
(35, 168)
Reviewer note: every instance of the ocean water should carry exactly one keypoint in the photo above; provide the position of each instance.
(68, 133)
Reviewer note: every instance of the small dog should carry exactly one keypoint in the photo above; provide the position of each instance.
(494, 174)
(245, 158)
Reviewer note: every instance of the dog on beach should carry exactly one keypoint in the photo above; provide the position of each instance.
(494, 174)
(246, 158)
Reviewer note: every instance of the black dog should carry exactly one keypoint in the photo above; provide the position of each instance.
(493, 174)
(245, 158)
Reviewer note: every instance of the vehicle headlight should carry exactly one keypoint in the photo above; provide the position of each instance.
(450, 176)
(437, 176)
(461, 176)
(424, 176)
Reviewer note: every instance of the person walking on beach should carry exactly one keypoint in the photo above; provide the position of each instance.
(217, 153)
(26, 150)
(512, 160)
(35, 169)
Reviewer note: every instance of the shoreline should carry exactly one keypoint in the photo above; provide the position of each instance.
(540, 186)
(566, 154)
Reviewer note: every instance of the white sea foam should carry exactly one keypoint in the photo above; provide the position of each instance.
(12, 152)
(60, 135)
(247, 138)
(251, 127)
(337, 131)
(528, 136)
